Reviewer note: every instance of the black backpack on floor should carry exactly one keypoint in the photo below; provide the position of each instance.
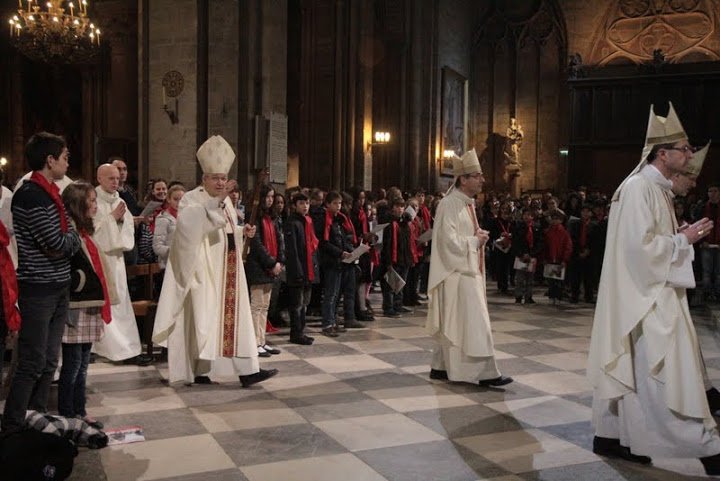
(30, 455)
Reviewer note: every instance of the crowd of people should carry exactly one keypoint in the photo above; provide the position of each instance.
(234, 265)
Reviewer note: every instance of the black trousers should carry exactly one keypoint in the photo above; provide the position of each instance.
(298, 301)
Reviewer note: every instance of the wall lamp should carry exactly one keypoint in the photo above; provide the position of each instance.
(380, 138)
(3, 162)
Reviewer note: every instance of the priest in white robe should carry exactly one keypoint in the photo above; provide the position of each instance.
(114, 235)
(644, 362)
(458, 318)
(204, 316)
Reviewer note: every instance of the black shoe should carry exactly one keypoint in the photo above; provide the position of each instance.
(574, 300)
(338, 328)
(259, 376)
(91, 422)
(365, 316)
(392, 313)
(612, 448)
(438, 374)
(497, 382)
(203, 380)
(329, 332)
(352, 325)
(271, 350)
(262, 352)
(303, 341)
(711, 465)
(713, 398)
(403, 310)
(529, 301)
(143, 360)
(518, 300)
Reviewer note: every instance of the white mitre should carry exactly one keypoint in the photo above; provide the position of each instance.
(695, 164)
(660, 130)
(215, 156)
(467, 164)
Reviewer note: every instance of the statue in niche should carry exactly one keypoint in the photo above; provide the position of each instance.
(514, 135)
(575, 67)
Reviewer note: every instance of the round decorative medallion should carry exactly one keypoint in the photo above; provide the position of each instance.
(173, 82)
(634, 8)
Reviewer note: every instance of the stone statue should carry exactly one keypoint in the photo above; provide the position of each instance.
(575, 67)
(514, 135)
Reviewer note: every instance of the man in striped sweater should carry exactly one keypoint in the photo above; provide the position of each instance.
(46, 242)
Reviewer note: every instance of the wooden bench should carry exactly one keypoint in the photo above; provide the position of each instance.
(145, 307)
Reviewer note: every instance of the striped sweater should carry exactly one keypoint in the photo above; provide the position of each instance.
(44, 251)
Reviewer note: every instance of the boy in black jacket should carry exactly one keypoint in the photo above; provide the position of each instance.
(301, 266)
(335, 233)
(527, 244)
(395, 253)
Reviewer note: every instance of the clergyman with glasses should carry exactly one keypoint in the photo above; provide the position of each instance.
(645, 364)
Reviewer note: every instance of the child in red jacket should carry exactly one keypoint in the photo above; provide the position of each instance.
(558, 250)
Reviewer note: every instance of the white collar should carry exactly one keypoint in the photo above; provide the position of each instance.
(462, 196)
(654, 175)
(107, 196)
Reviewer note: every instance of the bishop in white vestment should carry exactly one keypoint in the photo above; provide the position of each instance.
(114, 235)
(457, 317)
(204, 316)
(644, 362)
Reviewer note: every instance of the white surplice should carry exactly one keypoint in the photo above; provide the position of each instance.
(204, 331)
(457, 317)
(644, 362)
(121, 340)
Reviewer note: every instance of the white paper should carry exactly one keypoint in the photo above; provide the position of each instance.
(378, 228)
(355, 255)
(554, 271)
(425, 236)
(151, 207)
(519, 265)
(125, 435)
(394, 280)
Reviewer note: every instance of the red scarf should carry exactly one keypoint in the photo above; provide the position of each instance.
(8, 284)
(172, 211)
(425, 214)
(349, 228)
(583, 233)
(415, 249)
(269, 239)
(395, 228)
(97, 265)
(54, 192)
(362, 217)
(153, 216)
(311, 245)
(529, 235)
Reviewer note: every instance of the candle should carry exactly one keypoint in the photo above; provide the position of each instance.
(97, 32)
(164, 101)
(19, 3)
(71, 8)
(12, 23)
(29, 2)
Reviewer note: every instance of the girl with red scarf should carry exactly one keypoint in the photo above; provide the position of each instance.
(359, 218)
(9, 314)
(558, 250)
(89, 304)
(264, 264)
(165, 224)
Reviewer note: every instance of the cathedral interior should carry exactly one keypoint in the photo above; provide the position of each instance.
(552, 94)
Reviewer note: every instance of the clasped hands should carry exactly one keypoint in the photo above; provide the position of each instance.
(698, 230)
(482, 236)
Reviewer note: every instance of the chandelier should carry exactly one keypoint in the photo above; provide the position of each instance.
(57, 35)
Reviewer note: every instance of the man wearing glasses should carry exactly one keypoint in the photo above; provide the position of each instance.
(644, 363)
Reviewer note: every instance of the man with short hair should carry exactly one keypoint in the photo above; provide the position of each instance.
(127, 193)
(457, 317)
(203, 315)
(644, 362)
(46, 242)
(114, 235)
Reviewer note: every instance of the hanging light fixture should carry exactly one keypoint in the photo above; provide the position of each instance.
(57, 34)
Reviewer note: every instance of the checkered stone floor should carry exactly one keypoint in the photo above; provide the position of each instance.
(361, 408)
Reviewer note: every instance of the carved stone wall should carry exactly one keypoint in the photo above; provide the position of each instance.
(631, 30)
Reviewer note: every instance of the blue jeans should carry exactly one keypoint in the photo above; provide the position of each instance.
(335, 281)
(43, 321)
(73, 375)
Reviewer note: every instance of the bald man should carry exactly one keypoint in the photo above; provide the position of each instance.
(114, 235)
